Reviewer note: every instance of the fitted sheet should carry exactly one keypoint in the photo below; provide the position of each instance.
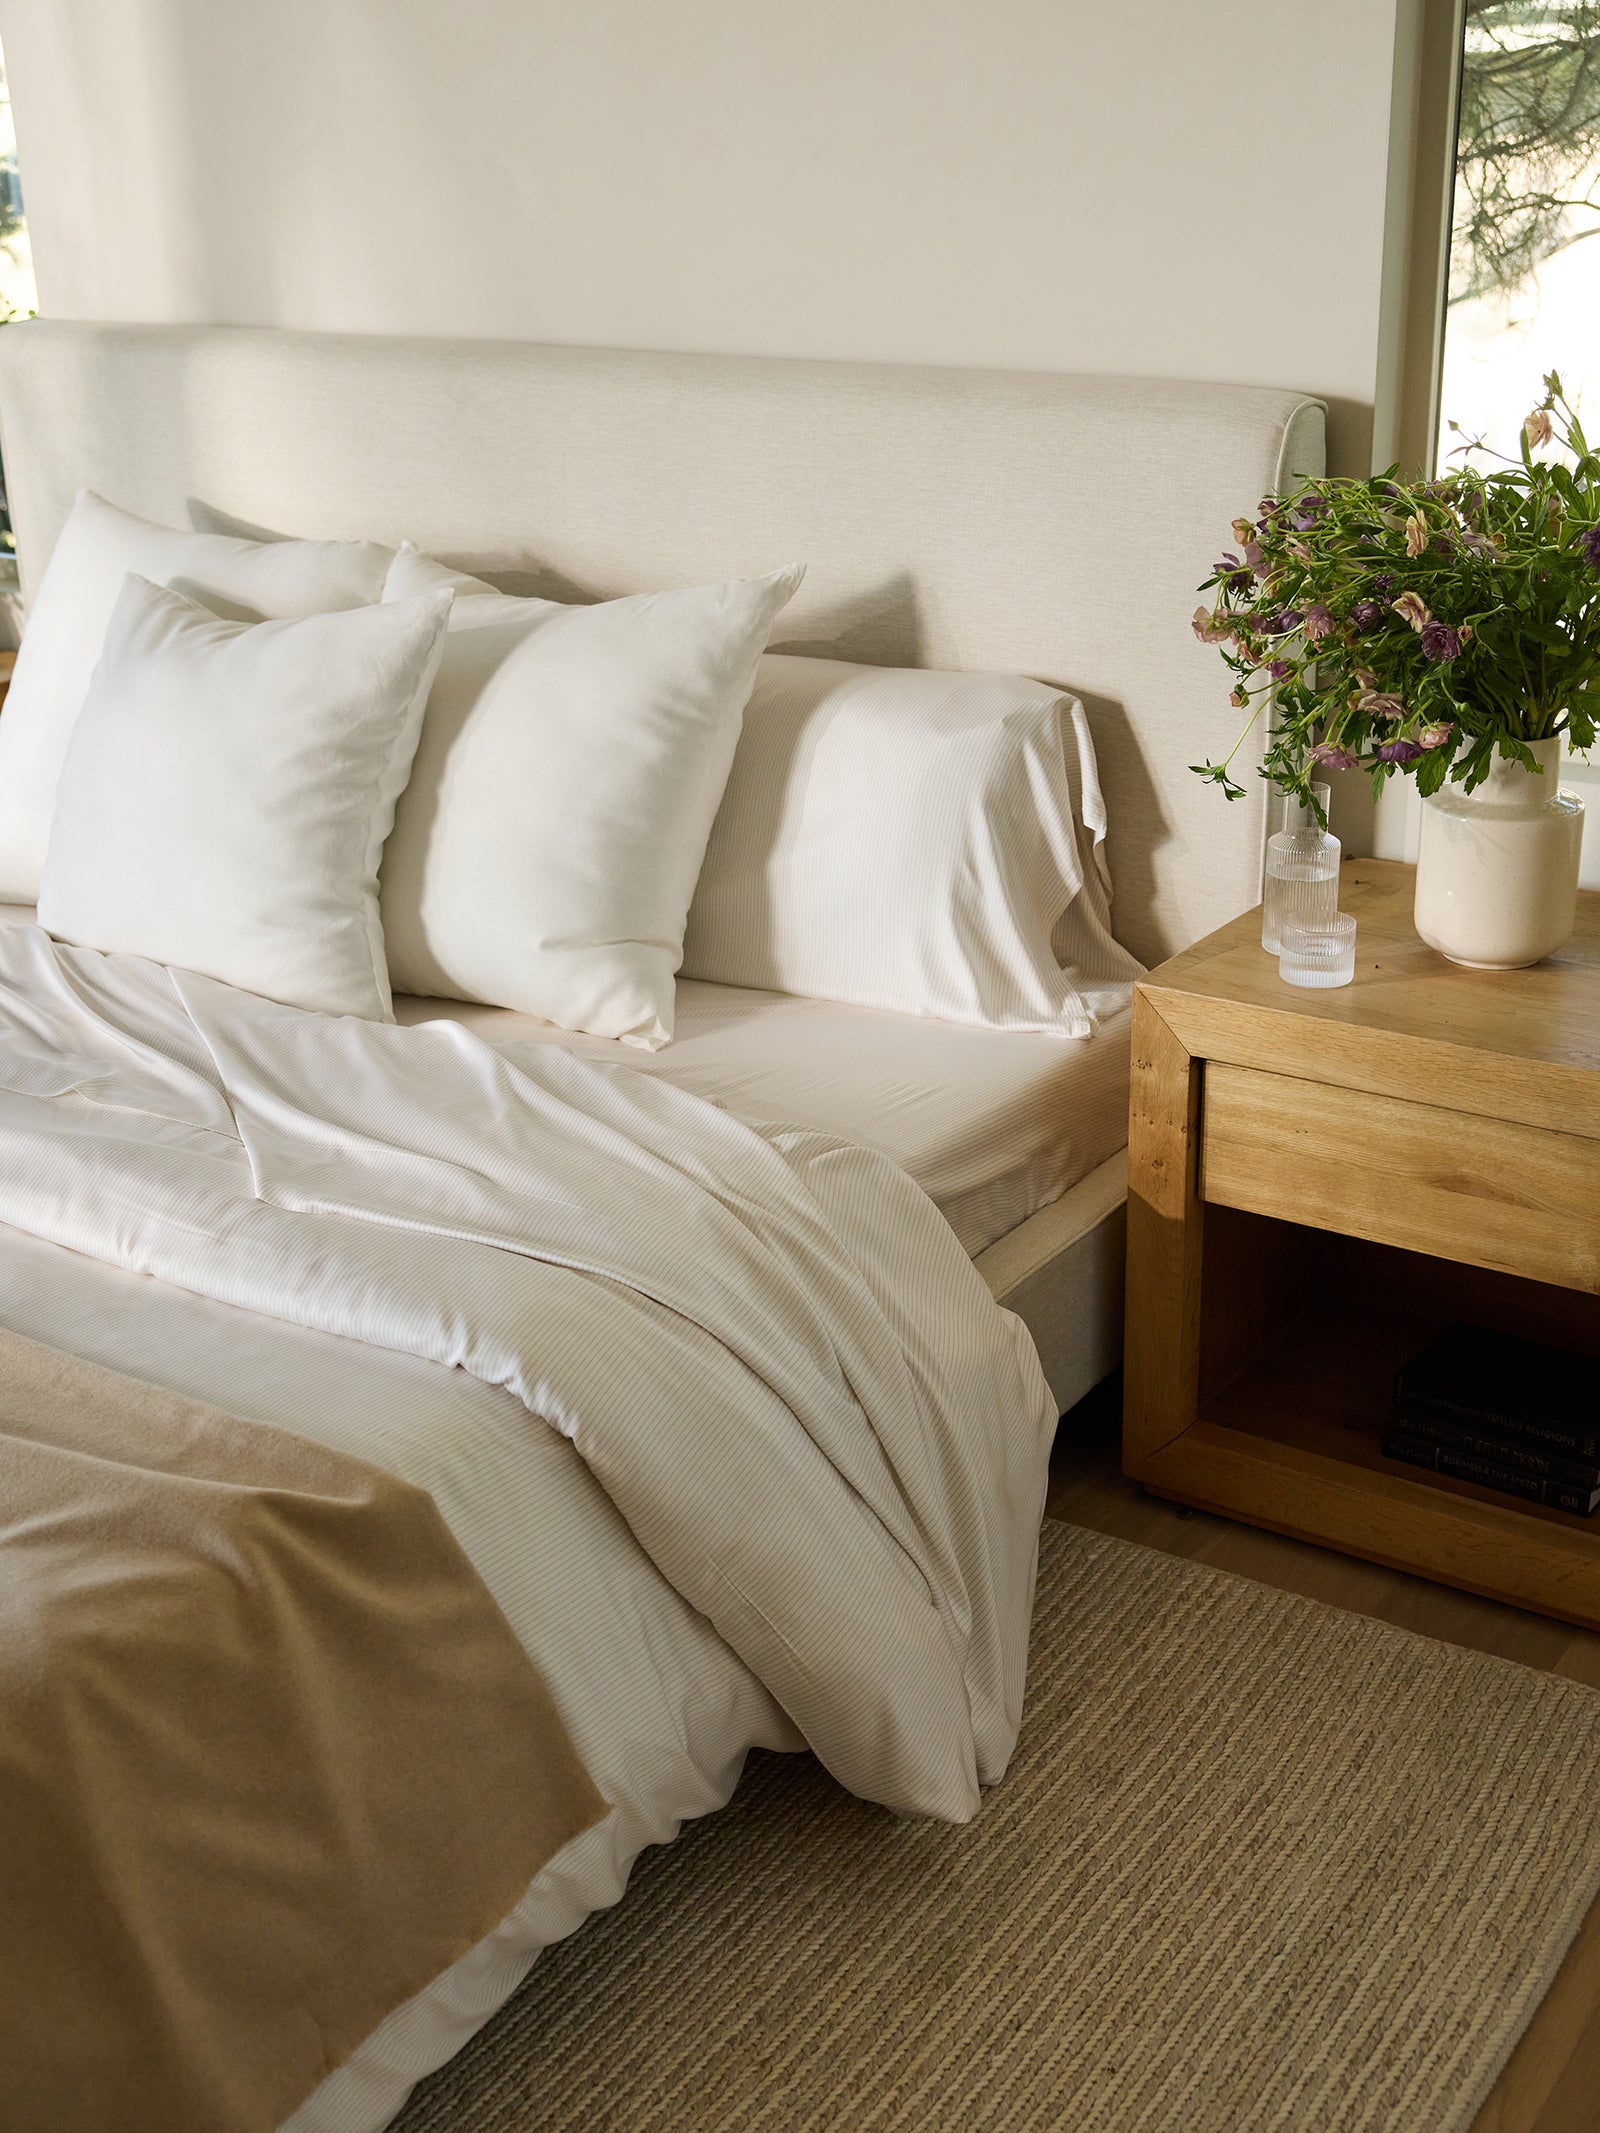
(992, 1124)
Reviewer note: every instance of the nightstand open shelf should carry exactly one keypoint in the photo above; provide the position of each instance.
(1319, 1184)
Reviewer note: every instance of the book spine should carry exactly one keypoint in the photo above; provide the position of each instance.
(1413, 1450)
(1569, 1438)
(1487, 1442)
(1562, 1496)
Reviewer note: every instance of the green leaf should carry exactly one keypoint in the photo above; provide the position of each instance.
(1431, 771)
(1217, 774)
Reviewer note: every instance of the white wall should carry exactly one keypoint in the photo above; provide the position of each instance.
(1124, 185)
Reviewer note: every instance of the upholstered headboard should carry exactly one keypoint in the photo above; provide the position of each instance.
(1031, 523)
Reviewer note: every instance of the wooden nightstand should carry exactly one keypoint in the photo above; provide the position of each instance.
(1321, 1181)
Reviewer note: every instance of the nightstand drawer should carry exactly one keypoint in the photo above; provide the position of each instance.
(1481, 1190)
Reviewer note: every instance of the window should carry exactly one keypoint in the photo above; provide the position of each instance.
(1524, 273)
(18, 298)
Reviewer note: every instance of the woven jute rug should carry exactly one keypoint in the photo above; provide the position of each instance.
(1258, 1864)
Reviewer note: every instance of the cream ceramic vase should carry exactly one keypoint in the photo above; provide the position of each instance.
(1497, 869)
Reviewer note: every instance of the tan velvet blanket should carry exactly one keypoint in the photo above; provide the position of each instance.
(270, 1757)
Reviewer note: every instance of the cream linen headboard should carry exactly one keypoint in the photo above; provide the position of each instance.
(1046, 525)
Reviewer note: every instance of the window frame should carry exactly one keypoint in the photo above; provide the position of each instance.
(1424, 117)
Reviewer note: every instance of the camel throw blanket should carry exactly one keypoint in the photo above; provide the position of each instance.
(270, 1757)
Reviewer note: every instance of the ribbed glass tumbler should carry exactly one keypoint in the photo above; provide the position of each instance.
(1319, 955)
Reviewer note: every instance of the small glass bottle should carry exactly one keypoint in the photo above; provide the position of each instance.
(1302, 873)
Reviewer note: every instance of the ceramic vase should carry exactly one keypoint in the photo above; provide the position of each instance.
(1497, 869)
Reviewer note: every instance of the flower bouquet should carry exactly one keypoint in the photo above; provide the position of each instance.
(1423, 627)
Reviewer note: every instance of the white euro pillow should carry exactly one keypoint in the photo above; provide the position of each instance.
(228, 788)
(926, 842)
(66, 626)
(571, 763)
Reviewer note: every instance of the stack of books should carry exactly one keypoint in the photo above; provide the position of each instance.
(1508, 1414)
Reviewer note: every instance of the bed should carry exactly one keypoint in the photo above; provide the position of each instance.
(1050, 526)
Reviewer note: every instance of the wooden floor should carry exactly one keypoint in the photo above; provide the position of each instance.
(1551, 2084)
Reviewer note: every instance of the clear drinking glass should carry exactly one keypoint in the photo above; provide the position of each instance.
(1302, 884)
(1321, 953)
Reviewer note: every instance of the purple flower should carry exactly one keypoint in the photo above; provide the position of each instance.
(1318, 622)
(1367, 614)
(1383, 584)
(1590, 544)
(1306, 513)
(1380, 703)
(1332, 757)
(1281, 625)
(1232, 573)
(1280, 670)
(1398, 751)
(1439, 641)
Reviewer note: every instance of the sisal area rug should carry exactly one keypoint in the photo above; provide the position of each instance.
(1258, 1864)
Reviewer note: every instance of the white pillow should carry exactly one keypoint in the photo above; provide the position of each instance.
(98, 546)
(926, 842)
(228, 789)
(571, 762)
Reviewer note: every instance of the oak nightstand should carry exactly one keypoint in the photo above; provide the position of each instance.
(1321, 1181)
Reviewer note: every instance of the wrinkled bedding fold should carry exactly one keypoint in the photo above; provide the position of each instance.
(766, 1344)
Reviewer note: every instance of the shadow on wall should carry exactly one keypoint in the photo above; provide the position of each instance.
(880, 628)
(1350, 434)
(1131, 797)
